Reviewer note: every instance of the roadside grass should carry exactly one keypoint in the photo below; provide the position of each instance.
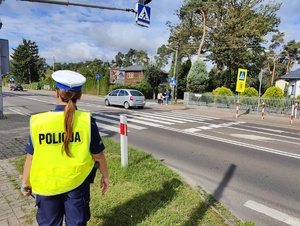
(147, 193)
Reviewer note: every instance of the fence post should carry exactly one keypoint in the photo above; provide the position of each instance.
(263, 111)
(237, 109)
(292, 114)
(123, 140)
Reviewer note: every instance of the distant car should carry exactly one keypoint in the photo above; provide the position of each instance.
(16, 87)
(125, 97)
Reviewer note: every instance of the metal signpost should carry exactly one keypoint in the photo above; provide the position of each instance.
(4, 68)
(259, 91)
(98, 77)
(142, 11)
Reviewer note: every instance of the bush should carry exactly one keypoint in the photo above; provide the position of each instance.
(273, 92)
(273, 97)
(250, 92)
(221, 94)
(222, 91)
(249, 96)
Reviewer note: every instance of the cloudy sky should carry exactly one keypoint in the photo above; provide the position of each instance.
(74, 34)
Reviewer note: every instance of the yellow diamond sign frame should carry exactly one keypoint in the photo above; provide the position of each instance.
(241, 80)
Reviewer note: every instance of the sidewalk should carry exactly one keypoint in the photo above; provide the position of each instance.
(14, 131)
(14, 207)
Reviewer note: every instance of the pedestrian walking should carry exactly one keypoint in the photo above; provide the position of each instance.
(167, 95)
(64, 151)
(160, 98)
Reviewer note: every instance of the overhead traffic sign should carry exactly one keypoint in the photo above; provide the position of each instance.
(143, 15)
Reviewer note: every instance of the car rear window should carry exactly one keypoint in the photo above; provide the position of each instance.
(136, 93)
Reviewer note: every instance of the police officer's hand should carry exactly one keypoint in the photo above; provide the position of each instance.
(26, 191)
(104, 184)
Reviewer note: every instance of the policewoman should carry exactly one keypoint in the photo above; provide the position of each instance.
(62, 151)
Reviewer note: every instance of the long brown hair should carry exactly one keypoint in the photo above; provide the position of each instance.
(69, 97)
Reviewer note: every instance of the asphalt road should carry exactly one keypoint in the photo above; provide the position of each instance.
(252, 169)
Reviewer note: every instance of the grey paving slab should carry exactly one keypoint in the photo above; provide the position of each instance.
(15, 209)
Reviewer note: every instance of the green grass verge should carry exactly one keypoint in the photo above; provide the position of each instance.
(146, 192)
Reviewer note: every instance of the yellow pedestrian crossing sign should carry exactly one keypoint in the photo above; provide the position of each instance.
(142, 15)
(241, 80)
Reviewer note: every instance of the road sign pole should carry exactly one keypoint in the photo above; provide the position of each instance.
(259, 90)
(1, 96)
(98, 87)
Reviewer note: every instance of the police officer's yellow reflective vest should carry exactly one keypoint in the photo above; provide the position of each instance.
(52, 171)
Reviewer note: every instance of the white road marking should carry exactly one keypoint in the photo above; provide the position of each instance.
(275, 135)
(232, 142)
(103, 134)
(211, 126)
(160, 118)
(275, 214)
(261, 128)
(250, 137)
(118, 122)
(18, 112)
(107, 127)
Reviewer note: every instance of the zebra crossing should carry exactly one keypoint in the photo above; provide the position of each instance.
(164, 120)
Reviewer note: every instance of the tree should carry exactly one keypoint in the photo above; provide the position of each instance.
(197, 79)
(290, 54)
(153, 76)
(182, 77)
(233, 38)
(129, 58)
(119, 60)
(141, 58)
(26, 63)
(163, 54)
(276, 42)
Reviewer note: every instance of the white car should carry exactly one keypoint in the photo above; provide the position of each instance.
(125, 97)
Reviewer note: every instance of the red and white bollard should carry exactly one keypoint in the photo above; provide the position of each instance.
(292, 114)
(124, 140)
(263, 111)
(296, 108)
(237, 109)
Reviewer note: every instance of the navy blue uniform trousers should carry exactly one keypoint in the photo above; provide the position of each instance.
(74, 205)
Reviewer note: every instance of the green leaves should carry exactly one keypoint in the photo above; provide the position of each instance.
(197, 79)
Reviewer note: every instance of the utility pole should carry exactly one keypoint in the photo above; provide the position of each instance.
(53, 62)
(175, 77)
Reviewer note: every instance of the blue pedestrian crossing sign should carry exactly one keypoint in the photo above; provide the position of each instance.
(98, 76)
(174, 82)
(143, 15)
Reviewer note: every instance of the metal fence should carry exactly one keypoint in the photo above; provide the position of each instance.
(273, 106)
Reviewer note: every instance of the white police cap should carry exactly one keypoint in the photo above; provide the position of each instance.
(68, 80)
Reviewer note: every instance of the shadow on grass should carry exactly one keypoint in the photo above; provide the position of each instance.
(139, 208)
(200, 211)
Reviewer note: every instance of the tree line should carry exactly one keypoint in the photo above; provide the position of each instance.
(229, 34)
